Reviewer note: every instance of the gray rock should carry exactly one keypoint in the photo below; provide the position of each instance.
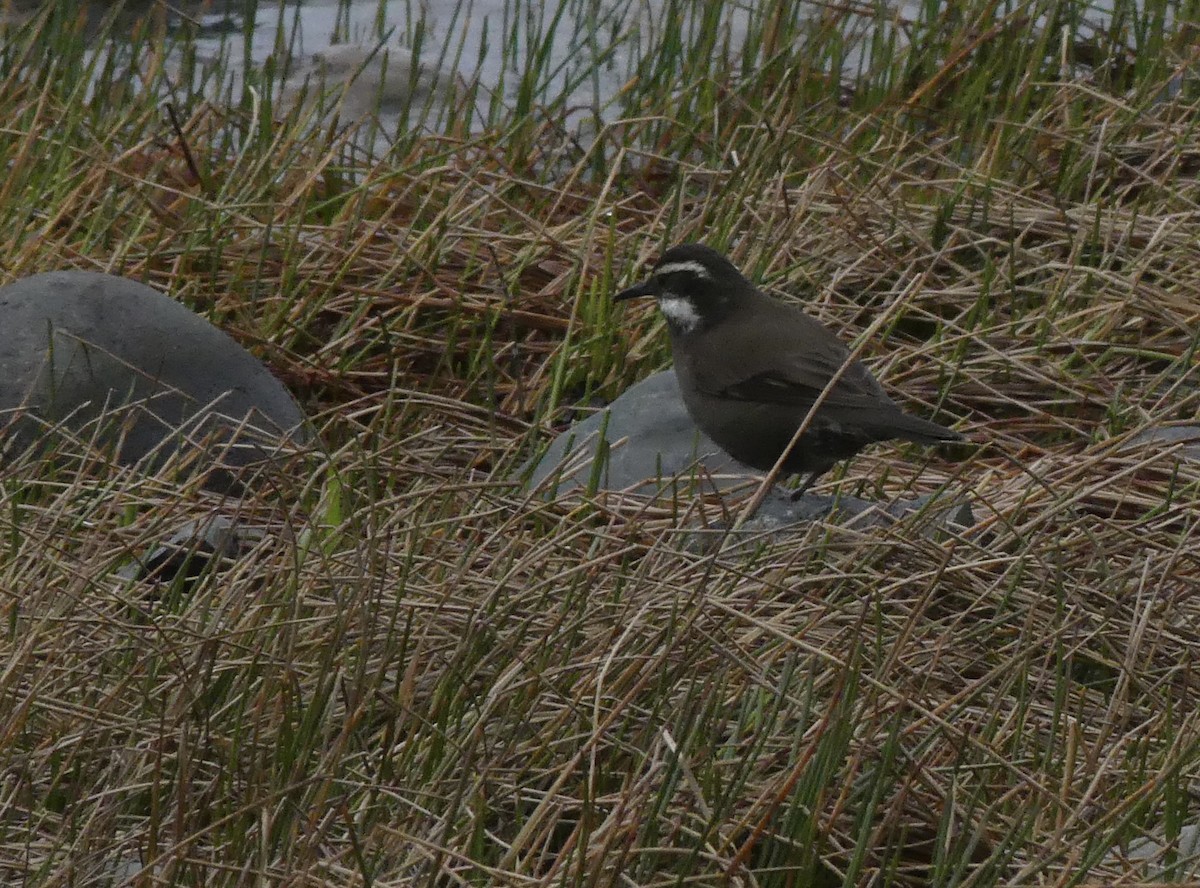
(187, 552)
(1164, 437)
(96, 355)
(651, 444)
(1146, 857)
(120, 872)
(645, 443)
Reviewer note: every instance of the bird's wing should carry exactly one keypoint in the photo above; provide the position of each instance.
(800, 387)
(786, 364)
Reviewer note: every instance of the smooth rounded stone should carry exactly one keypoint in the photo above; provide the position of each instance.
(118, 363)
(1146, 857)
(655, 449)
(1164, 437)
(186, 553)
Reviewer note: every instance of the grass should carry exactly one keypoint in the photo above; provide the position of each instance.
(420, 676)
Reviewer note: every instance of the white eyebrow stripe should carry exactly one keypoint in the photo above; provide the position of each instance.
(691, 265)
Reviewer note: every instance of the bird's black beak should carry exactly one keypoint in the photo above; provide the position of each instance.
(635, 292)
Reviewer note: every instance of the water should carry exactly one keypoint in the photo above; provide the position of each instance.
(402, 59)
(399, 54)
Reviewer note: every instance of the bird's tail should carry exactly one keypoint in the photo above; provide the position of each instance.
(922, 431)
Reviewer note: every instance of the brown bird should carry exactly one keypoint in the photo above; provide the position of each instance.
(750, 369)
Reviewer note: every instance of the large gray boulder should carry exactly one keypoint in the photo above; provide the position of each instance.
(111, 359)
(646, 443)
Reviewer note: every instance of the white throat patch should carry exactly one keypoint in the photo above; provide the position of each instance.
(695, 268)
(681, 315)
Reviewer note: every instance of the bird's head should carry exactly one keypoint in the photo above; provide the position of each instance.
(695, 287)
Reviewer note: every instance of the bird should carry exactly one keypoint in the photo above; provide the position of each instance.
(750, 368)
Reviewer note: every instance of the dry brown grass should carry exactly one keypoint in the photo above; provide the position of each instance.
(422, 676)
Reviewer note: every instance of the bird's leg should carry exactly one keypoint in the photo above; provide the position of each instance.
(808, 482)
